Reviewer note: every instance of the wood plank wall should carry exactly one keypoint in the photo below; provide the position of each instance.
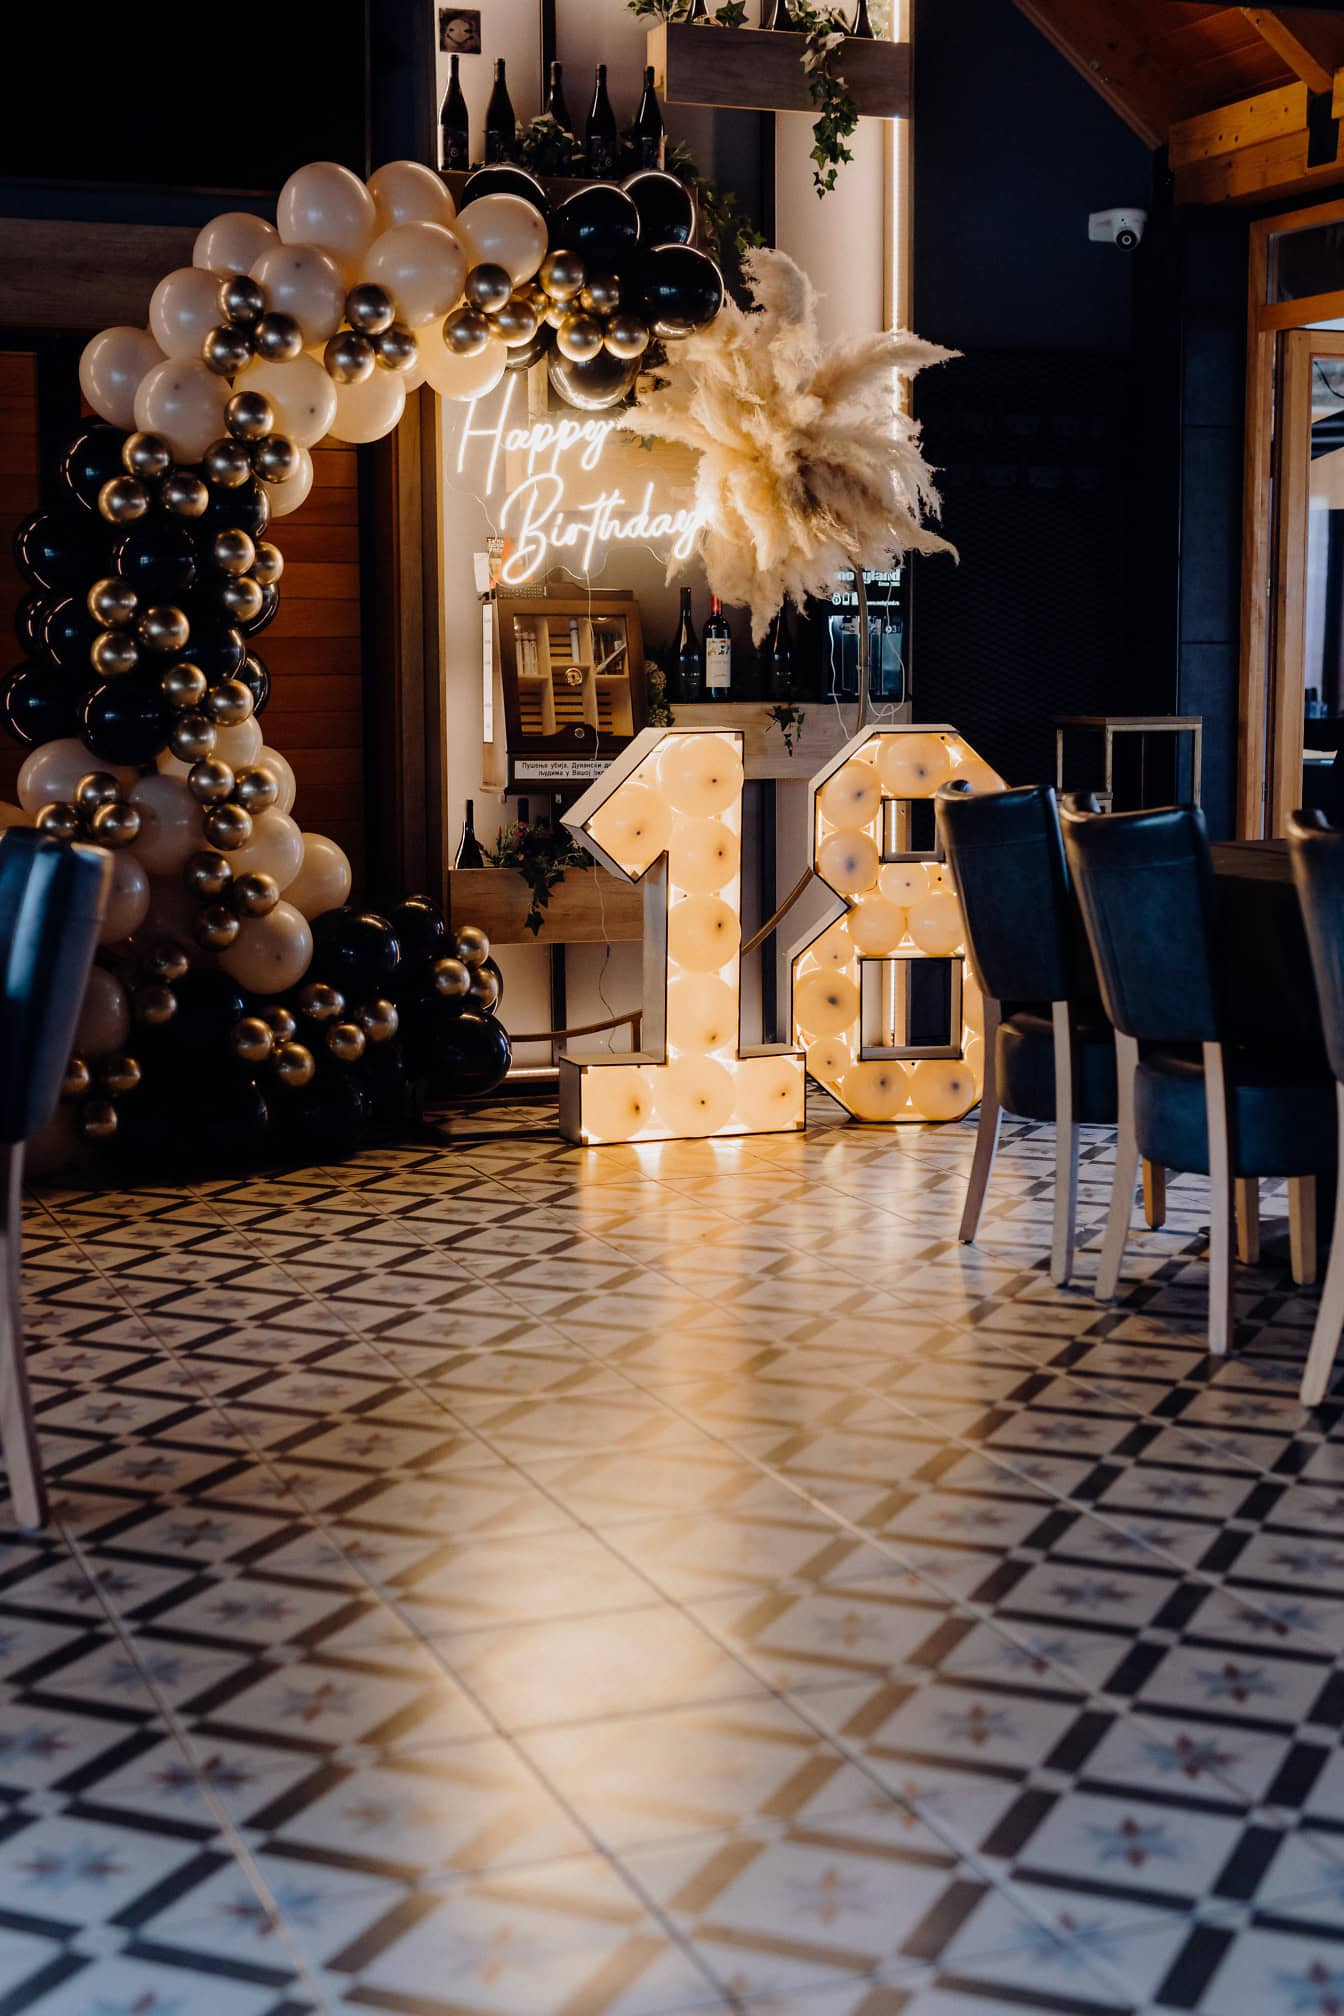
(18, 496)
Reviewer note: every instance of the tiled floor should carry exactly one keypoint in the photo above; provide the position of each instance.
(510, 1580)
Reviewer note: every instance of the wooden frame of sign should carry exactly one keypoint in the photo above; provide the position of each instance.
(572, 674)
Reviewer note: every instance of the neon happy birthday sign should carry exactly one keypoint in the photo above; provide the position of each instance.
(541, 517)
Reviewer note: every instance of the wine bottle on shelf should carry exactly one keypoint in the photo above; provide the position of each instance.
(556, 107)
(717, 651)
(861, 27)
(649, 143)
(501, 128)
(781, 673)
(600, 137)
(688, 679)
(699, 15)
(776, 15)
(454, 123)
(469, 853)
(523, 809)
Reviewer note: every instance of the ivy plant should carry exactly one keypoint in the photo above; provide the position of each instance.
(541, 854)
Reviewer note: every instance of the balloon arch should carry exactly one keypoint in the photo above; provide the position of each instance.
(239, 1002)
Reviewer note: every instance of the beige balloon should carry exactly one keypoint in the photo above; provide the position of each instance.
(287, 496)
(104, 1015)
(323, 882)
(461, 377)
(270, 953)
(367, 411)
(325, 205)
(183, 309)
(170, 823)
(301, 393)
(302, 281)
(127, 899)
(110, 369)
(422, 266)
(184, 402)
(232, 242)
(504, 231)
(284, 776)
(276, 848)
(48, 776)
(239, 744)
(406, 192)
(415, 375)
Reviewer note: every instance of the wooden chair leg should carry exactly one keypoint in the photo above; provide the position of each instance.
(1246, 1192)
(1154, 1195)
(1302, 1228)
(18, 1435)
(1066, 1148)
(1330, 1315)
(1220, 1198)
(987, 1133)
(1126, 1170)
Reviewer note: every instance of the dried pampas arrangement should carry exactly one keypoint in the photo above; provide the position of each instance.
(807, 465)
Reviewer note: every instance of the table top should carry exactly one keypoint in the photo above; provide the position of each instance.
(1253, 860)
(1136, 722)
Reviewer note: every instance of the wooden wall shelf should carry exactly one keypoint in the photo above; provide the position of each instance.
(826, 728)
(761, 70)
(590, 907)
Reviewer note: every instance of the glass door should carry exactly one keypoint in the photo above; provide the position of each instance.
(1307, 687)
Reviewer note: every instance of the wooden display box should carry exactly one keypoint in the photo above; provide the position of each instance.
(572, 671)
(590, 907)
(761, 70)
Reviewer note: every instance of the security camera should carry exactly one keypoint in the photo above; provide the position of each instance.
(1117, 227)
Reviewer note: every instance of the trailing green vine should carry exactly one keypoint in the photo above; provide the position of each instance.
(541, 854)
(790, 721)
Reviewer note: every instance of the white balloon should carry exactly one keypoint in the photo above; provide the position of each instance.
(303, 282)
(232, 242)
(239, 744)
(455, 377)
(49, 775)
(406, 192)
(367, 411)
(279, 767)
(414, 375)
(275, 849)
(110, 370)
(184, 402)
(303, 396)
(422, 266)
(503, 231)
(104, 1015)
(170, 823)
(270, 953)
(127, 899)
(325, 205)
(323, 882)
(287, 496)
(183, 309)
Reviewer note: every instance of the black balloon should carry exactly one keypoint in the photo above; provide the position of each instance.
(29, 621)
(92, 459)
(67, 634)
(323, 1120)
(219, 651)
(159, 561)
(680, 291)
(257, 679)
(265, 616)
(355, 951)
(600, 223)
(522, 356)
(395, 1103)
(666, 207)
(503, 179)
(470, 1054)
(208, 1005)
(60, 552)
(246, 509)
(418, 923)
(220, 1122)
(126, 720)
(39, 704)
(603, 381)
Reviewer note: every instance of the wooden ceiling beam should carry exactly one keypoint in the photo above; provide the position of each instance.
(1101, 40)
(1289, 46)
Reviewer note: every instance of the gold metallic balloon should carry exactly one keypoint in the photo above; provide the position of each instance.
(484, 987)
(59, 821)
(254, 895)
(345, 1040)
(379, 1020)
(115, 825)
(227, 463)
(77, 1080)
(280, 1022)
(242, 597)
(112, 601)
(471, 945)
(517, 321)
(215, 928)
(227, 827)
(228, 703)
(184, 495)
(146, 455)
(123, 499)
(452, 979)
(395, 348)
(226, 350)
(555, 312)
(232, 552)
(119, 1074)
(97, 1120)
(207, 875)
(466, 332)
(294, 1065)
(278, 338)
(163, 628)
(348, 357)
(166, 961)
(251, 1040)
(626, 336)
(320, 1003)
(562, 274)
(369, 309)
(249, 415)
(488, 288)
(191, 736)
(276, 459)
(268, 563)
(537, 295)
(154, 1006)
(209, 781)
(114, 653)
(255, 788)
(95, 788)
(241, 299)
(579, 338)
(601, 293)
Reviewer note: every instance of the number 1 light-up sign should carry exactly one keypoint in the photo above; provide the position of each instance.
(668, 813)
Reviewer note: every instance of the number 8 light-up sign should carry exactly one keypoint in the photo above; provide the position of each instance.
(899, 910)
(668, 813)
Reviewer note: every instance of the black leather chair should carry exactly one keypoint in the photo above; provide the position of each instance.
(1187, 1099)
(1049, 1053)
(1317, 852)
(52, 899)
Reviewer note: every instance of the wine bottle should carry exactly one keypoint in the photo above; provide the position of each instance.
(699, 15)
(600, 137)
(649, 144)
(501, 128)
(523, 810)
(777, 15)
(469, 853)
(688, 680)
(861, 26)
(556, 107)
(455, 124)
(780, 669)
(718, 653)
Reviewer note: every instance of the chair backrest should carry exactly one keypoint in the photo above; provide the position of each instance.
(1006, 860)
(1316, 850)
(52, 900)
(1145, 888)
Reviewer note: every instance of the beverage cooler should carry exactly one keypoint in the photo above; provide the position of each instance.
(837, 627)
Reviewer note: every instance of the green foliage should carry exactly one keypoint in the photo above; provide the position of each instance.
(790, 722)
(545, 148)
(837, 114)
(655, 685)
(541, 855)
